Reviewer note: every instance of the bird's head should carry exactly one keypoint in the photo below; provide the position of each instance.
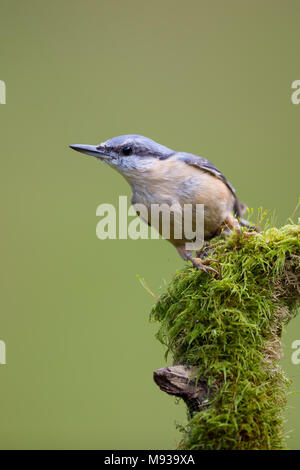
(129, 154)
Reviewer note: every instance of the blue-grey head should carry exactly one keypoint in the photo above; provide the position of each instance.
(127, 153)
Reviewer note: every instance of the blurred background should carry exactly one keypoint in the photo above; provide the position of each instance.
(207, 77)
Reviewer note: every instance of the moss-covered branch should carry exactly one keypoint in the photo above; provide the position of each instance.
(229, 329)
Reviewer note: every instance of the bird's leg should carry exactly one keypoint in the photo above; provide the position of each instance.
(198, 263)
(232, 223)
(204, 252)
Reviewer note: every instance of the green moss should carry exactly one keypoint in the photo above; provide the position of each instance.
(230, 327)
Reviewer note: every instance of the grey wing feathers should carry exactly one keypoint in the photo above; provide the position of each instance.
(206, 165)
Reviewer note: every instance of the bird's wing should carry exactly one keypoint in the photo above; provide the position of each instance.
(206, 165)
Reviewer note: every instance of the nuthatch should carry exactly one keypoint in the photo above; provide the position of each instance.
(159, 175)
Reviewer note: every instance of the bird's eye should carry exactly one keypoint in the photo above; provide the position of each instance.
(127, 150)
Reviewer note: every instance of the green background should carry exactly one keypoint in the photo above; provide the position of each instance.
(208, 77)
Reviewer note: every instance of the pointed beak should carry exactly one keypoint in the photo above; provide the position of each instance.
(88, 150)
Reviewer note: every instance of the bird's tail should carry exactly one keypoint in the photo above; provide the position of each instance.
(246, 223)
(240, 209)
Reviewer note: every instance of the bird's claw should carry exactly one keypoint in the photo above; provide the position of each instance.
(202, 265)
(249, 234)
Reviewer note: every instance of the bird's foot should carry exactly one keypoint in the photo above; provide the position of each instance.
(203, 264)
(249, 234)
(233, 224)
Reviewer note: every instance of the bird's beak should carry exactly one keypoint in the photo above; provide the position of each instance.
(89, 150)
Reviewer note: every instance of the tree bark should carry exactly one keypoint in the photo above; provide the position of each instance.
(180, 381)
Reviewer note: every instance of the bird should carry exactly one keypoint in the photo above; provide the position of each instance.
(159, 175)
